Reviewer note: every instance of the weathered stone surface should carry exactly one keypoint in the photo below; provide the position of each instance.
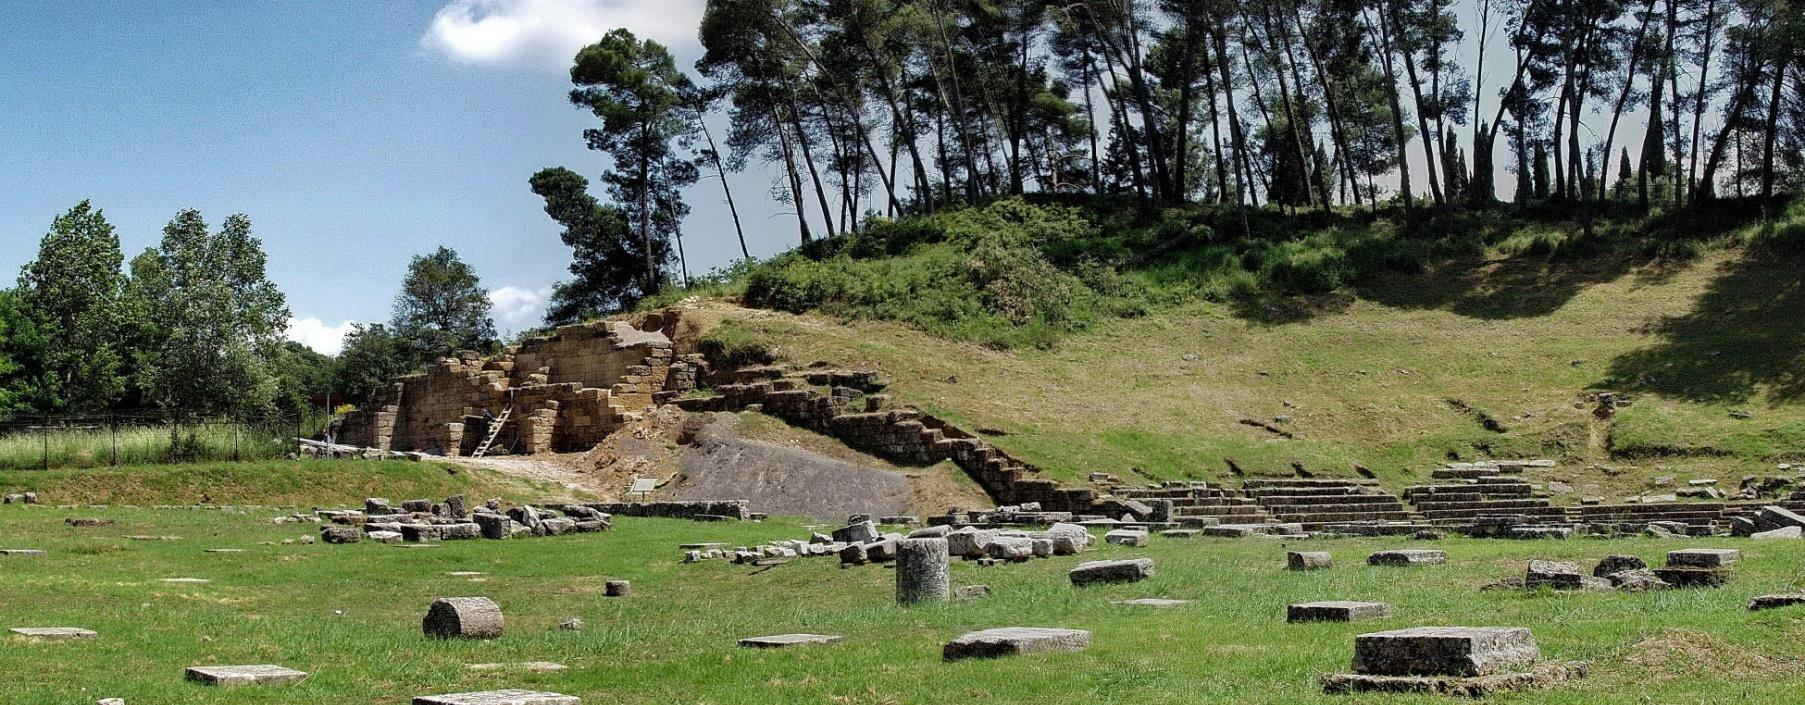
(1407, 556)
(499, 697)
(530, 666)
(1126, 537)
(1154, 602)
(923, 571)
(1684, 576)
(1336, 611)
(464, 530)
(1637, 580)
(928, 532)
(1009, 641)
(1010, 548)
(1702, 557)
(87, 521)
(1308, 560)
(1617, 564)
(1560, 575)
(54, 632)
(1540, 675)
(971, 592)
(1785, 532)
(335, 533)
(187, 581)
(853, 554)
(1768, 602)
(1069, 539)
(1444, 651)
(1123, 571)
(243, 675)
(23, 552)
(386, 536)
(617, 588)
(463, 617)
(780, 641)
(494, 526)
(859, 532)
(969, 542)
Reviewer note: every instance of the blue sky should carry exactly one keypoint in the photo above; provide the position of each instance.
(355, 135)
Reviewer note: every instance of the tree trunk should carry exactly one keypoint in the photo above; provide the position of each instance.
(1397, 121)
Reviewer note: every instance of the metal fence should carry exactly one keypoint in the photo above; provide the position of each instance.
(47, 441)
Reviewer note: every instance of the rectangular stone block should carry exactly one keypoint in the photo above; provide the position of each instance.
(1560, 575)
(780, 641)
(1009, 641)
(1308, 560)
(54, 632)
(1336, 611)
(1703, 557)
(1444, 651)
(499, 697)
(1124, 571)
(226, 676)
(1408, 556)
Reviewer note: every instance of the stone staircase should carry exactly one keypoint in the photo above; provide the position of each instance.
(1701, 517)
(1465, 492)
(1320, 503)
(1200, 504)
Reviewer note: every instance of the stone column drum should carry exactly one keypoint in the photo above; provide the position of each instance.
(463, 618)
(922, 571)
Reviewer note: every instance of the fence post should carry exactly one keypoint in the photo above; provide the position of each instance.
(46, 426)
(113, 432)
(235, 456)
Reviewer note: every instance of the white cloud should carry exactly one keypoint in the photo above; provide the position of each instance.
(514, 308)
(548, 33)
(314, 333)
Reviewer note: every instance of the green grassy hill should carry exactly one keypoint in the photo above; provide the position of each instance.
(1109, 345)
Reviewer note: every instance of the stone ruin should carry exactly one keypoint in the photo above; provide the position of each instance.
(422, 521)
(565, 391)
(1465, 661)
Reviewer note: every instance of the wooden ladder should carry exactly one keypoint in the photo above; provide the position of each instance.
(494, 430)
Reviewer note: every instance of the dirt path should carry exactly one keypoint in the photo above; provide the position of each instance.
(560, 469)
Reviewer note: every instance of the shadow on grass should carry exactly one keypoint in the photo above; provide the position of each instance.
(1745, 334)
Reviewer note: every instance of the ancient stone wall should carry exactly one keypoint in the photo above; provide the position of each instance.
(566, 391)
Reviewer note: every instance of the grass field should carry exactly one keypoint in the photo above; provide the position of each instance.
(25, 446)
(268, 482)
(350, 616)
(1398, 377)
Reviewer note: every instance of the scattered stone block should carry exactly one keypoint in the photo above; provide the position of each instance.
(1560, 575)
(971, 592)
(781, 641)
(1336, 611)
(1153, 602)
(23, 552)
(463, 618)
(1444, 651)
(574, 624)
(80, 522)
(385, 536)
(1786, 532)
(500, 697)
(337, 533)
(617, 588)
(1617, 564)
(1010, 548)
(222, 550)
(923, 571)
(1308, 560)
(1010, 641)
(1703, 557)
(1407, 556)
(531, 666)
(1637, 580)
(1682, 576)
(929, 532)
(1122, 571)
(187, 581)
(227, 676)
(858, 532)
(969, 542)
(1540, 675)
(1126, 537)
(1768, 602)
(54, 632)
(1181, 533)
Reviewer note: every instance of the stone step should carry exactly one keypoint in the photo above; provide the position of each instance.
(1308, 482)
(1294, 500)
(1313, 521)
(1339, 509)
(1305, 491)
(1551, 513)
(1487, 504)
(1249, 510)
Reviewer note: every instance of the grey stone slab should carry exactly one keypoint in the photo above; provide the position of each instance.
(1560, 575)
(1009, 641)
(1540, 675)
(779, 641)
(1685, 576)
(1153, 602)
(1126, 537)
(187, 581)
(243, 675)
(1768, 602)
(1618, 563)
(23, 552)
(1124, 571)
(1703, 557)
(222, 550)
(54, 632)
(500, 697)
(1444, 651)
(1407, 556)
(1308, 560)
(1336, 611)
(531, 666)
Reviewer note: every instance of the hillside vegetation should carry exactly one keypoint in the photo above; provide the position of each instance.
(1089, 338)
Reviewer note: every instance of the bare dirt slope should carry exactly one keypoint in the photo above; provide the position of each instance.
(719, 464)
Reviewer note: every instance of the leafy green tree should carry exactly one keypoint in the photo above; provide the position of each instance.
(604, 252)
(442, 308)
(301, 373)
(218, 319)
(372, 357)
(634, 87)
(71, 295)
(15, 386)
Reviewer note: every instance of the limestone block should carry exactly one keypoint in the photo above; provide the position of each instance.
(463, 617)
(1122, 571)
(1336, 611)
(1444, 651)
(1010, 641)
(922, 571)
